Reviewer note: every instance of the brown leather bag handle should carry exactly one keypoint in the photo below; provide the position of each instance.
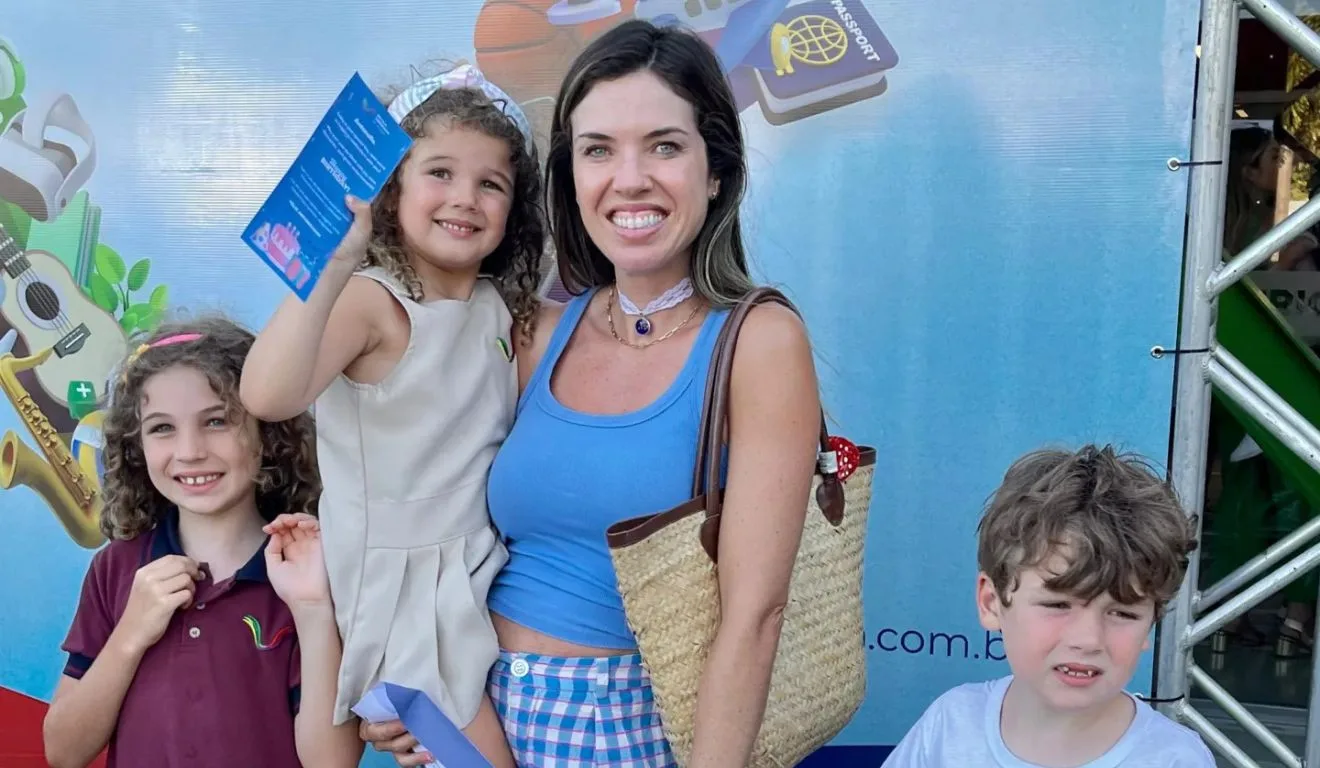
(721, 351)
(714, 419)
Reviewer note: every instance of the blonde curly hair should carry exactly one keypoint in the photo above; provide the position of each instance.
(288, 481)
(515, 264)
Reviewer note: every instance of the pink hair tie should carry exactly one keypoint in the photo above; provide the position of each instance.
(177, 338)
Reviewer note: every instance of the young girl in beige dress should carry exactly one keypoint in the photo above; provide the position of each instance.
(406, 349)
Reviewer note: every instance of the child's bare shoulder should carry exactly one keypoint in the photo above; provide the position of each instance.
(367, 300)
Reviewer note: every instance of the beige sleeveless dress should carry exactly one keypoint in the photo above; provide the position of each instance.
(408, 542)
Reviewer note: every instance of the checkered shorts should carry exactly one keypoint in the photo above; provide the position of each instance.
(579, 712)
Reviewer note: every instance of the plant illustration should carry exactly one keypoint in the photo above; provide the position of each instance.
(113, 283)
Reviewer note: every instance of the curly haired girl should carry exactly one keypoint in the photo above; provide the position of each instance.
(406, 348)
(194, 633)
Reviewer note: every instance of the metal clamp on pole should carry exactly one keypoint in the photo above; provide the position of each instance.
(1159, 352)
(1175, 164)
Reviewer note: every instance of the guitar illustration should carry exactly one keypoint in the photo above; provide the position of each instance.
(41, 301)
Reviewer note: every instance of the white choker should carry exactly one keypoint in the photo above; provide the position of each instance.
(667, 300)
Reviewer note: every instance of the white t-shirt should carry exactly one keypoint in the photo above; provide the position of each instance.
(961, 729)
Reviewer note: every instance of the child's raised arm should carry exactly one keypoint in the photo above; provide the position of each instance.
(307, 344)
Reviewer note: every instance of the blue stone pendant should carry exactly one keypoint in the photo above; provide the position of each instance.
(643, 326)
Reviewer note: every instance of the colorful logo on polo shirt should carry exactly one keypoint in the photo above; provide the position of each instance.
(255, 627)
(504, 348)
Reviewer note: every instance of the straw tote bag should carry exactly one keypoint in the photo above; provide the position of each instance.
(666, 569)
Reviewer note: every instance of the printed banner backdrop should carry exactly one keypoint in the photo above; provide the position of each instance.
(970, 204)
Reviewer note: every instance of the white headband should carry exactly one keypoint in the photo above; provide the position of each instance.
(464, 76)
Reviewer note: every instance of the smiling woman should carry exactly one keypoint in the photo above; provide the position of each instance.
(646, 172)
(664, 136)
(641, 192)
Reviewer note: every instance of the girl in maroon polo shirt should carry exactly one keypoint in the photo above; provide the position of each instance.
(193, 637)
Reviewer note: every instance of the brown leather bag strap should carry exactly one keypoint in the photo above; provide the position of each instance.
(708, 418)
(715, 431)
(714, 419)
(721, 349)
(707, 401)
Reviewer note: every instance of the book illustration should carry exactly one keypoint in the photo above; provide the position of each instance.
(820, 55)
(73, 237)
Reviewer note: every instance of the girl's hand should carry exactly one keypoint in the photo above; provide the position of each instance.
(160, 588)
(353, 248)
(393, 738)
(294, 562)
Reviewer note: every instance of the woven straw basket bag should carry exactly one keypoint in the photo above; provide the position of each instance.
(665, 564)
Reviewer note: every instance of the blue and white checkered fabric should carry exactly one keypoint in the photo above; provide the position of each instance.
(579, 712)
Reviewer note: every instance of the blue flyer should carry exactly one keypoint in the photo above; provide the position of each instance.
(354, 150)
(434, 732)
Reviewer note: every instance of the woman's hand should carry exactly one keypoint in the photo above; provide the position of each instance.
(393, 737)
(295, 564)
(160, 588)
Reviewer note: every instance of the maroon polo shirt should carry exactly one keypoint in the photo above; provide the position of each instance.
(220, 688)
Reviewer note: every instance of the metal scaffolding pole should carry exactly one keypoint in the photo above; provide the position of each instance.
(1252, 569)
(1205, 224)
(1253, 726)
(1200, 366)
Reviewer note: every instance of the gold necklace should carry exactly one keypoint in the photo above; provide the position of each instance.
(609, 317)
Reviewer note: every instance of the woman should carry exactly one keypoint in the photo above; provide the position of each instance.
(645, 175)
(1256, 499)
(1254, 157)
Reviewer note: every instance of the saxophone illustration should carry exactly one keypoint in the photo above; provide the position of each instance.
(59, 479)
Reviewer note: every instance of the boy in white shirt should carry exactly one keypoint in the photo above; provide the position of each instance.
(1078, 554)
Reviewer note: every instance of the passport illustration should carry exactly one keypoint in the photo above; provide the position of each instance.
(818, 56)
(795, 59)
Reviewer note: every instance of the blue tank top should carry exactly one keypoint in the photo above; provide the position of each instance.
(563, 477)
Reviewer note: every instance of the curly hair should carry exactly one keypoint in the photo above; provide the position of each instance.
(1114, 520)
(515, 264)
(288, 481)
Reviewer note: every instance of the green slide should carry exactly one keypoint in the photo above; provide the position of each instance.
(1255, 333)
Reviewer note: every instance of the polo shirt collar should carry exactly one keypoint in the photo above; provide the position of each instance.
(166, 542)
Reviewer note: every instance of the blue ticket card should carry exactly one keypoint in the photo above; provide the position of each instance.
(434, 732)
(355, 148)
